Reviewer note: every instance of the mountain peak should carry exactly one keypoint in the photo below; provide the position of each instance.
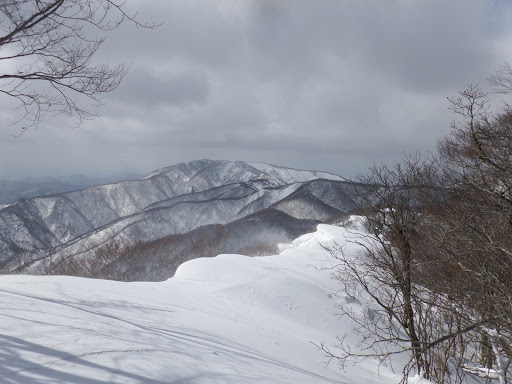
(170, 201)
(242, 171)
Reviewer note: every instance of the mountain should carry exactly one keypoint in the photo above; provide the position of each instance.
(13, 190)
(253, 235)
(59, 232)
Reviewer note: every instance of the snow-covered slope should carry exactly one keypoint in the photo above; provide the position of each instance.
(200, 190)
(228, 319)
(13, 190)
(37, 234)
(204, 174)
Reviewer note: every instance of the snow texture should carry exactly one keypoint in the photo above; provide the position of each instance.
(228, 319)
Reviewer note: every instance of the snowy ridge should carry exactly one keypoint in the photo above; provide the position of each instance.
(228, 319)
(178, 218)
(289, 175)
(239, 170)
(30, 225)
(37, 233)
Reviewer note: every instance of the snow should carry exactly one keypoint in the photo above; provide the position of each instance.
(290, 175)
(74, 220)
(228, 319)
(418, 379)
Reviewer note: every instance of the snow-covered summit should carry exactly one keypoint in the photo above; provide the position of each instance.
(207, 173)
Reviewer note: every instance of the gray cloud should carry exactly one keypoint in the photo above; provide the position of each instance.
(173, 89)
(328, 84)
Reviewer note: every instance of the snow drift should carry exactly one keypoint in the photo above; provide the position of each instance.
(228, 319)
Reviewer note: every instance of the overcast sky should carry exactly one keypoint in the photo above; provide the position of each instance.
(332, 85)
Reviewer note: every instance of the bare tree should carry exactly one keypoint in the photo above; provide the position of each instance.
(473, 231)
(436, 259)
(501, 80)
(399, 318)
(46, 51)
(420, 266)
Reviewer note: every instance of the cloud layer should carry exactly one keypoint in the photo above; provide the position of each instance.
(328, 84)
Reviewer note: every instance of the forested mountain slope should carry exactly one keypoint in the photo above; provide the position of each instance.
(39, 233)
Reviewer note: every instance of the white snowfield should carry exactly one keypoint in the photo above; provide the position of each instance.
(228, 319)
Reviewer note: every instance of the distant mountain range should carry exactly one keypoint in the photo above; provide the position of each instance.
(13, 190)
(143, 229)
